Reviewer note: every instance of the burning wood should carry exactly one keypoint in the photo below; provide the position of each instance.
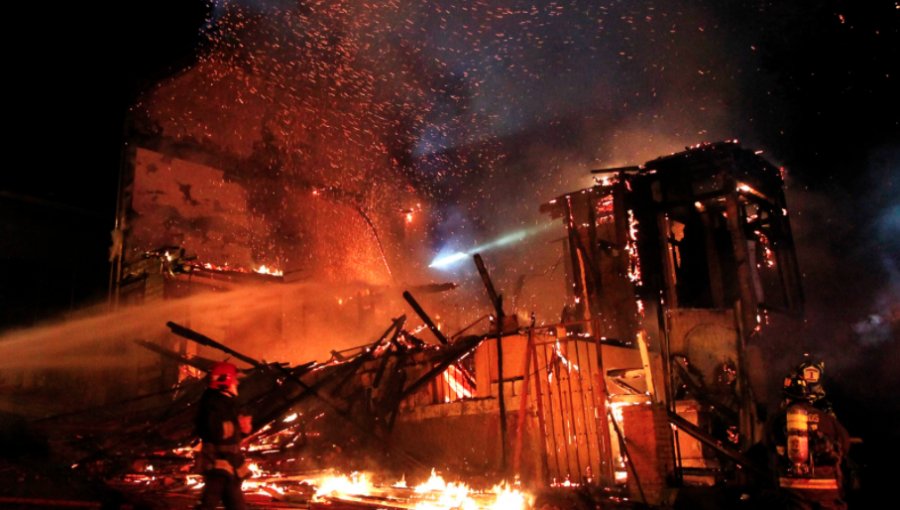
(359, 490)
(306, 417)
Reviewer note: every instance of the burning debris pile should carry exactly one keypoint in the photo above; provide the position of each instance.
(671, 268)
(335, 415)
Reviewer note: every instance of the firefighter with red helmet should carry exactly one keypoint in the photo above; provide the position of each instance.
(221, 429)
(810, 444)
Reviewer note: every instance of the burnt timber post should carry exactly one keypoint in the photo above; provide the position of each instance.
(497, 302)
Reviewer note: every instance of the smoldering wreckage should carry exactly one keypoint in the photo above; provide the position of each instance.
(642, 395)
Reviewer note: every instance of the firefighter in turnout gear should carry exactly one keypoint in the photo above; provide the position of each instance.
(221, 429)
(810, 445)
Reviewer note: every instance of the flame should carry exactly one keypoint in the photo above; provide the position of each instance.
(435, 482)
(564, 483)
(226, 267)
(400, 484)
(441, 495)
(263, 269)
(745, 188)
(259, 482)
(357, 484)
(616, 411)
(634, 266)
(456, 381)
(433, 494)
(508, 498)
(557, 349)
(768, 254)
(606, 180)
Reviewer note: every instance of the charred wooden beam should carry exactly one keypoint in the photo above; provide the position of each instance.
(287, 374)
(700, 435)
(497, 302)
(617, 170)
(368, 353)
(202, 339)
(459, 349)
(395, 328)
(523, 400)
(434, 288)
(424, 316)
(380, 372)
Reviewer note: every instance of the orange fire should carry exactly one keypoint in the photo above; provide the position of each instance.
(432, 494)
(263, 269)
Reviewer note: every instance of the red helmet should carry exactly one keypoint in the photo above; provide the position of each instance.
(222, 375)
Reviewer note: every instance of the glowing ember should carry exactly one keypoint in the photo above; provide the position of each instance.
(508, 498)
(606, 180)
(750, 190)
(263, 269)
(634, 265)
(357, 484)
(433, 494)
(194, 481)
(458, 383)
(441, 495)
(768, 254)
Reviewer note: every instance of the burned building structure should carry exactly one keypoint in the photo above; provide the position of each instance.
(685, 256)
(191, 220)
(653, 375)
(648, 379)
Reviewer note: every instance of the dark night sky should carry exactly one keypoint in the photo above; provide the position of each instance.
(815, 84)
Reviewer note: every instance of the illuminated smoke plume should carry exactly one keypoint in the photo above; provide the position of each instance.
(481, 109)
(477, 112)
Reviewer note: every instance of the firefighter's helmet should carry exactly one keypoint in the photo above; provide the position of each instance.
(811, 371)
(222, 376)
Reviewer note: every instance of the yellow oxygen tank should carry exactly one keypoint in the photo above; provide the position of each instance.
(798, 439)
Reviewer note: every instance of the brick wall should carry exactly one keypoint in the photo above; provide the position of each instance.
(649, 443)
